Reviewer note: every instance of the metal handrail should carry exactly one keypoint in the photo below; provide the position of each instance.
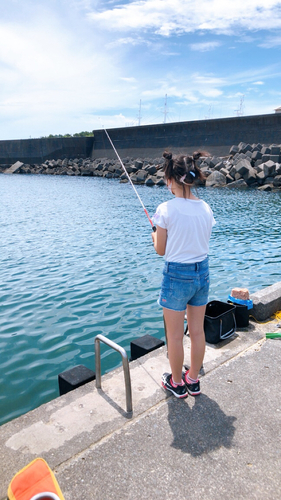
(126, 369)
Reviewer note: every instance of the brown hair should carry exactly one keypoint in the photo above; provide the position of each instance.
(183, 168)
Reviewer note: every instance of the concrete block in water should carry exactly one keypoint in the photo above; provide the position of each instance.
(74, 377)
(266, 302)
(256, 155)
(144, 345)
(275, 150)
(265, 150)
(274, 158)
(14, 168)
(243, 167)
(233, 150)
(277, 181)
(269, 168)
(216, 178)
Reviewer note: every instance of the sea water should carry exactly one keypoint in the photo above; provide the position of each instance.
(77, 260)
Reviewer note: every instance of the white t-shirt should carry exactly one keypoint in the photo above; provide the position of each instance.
(189, 225)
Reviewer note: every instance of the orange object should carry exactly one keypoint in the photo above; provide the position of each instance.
(35, 480)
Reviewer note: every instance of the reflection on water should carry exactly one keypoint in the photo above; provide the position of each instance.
(76, 260)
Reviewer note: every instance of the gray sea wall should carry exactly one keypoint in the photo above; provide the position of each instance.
(216, 136)
(39, 150)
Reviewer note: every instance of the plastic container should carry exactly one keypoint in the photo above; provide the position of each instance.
(241, 310)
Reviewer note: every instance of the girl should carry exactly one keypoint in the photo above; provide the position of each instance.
(184, 226)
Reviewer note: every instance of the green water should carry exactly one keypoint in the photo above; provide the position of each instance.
(76, 260)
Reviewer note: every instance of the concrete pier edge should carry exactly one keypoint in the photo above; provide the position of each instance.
(89, 426)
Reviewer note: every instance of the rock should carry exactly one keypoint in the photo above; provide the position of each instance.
(150, 181)
(269, 168)
(274, 158)
(216, 178)
(214, 161)
(151, 169)
(256, 155)
(15, 168)
(238, 184)
(138, 164)
(278, 169)
(219, 165)
(160, 182)
(243, 166)
(260, 177)
(233, 150)
(139, 177)
(275, 150)
(250, 176)
(229, 179)
(266, 187)
(265, 150)
(277, 181)
(265, 158)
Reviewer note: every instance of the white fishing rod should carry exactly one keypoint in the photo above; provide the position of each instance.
(130, 180)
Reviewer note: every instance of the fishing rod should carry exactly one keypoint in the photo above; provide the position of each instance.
(130, 180)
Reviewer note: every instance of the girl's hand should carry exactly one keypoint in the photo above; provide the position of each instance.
(159, 239)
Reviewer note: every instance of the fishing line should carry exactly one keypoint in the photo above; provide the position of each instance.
(130, 180)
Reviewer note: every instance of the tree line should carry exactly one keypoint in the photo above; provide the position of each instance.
(78, 134)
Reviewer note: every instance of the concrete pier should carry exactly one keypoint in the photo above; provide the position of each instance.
(224, 443)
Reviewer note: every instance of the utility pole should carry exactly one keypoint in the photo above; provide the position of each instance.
(165, 109)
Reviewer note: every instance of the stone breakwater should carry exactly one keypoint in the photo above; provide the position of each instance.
(247, 165)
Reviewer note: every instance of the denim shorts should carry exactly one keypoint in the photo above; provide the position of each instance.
(184, 284)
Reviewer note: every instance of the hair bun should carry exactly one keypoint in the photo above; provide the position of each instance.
(196, 155)
(167, 155)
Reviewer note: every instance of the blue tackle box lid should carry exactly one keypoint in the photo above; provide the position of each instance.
(241, 302)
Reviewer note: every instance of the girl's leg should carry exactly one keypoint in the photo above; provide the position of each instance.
(174, 321)
(195, 321)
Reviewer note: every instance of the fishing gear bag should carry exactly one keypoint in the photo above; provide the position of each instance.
(219, 321)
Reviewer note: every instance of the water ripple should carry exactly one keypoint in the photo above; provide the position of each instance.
(76, 260)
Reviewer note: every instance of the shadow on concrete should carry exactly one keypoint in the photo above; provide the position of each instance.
(110, 401)
(199, 429)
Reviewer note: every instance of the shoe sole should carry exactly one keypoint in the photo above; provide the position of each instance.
(192, 393)
(174, 393)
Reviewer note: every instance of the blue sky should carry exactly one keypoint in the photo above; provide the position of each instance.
(68, 66)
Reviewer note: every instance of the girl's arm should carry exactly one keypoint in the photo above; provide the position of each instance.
(159, 240)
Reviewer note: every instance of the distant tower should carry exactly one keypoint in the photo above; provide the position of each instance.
(165, 109)
(139, 117)
(240, 110)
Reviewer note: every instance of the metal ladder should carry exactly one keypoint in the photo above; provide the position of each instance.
(126, 369)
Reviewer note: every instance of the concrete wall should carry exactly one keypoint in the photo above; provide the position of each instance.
(215, 136)
(39, 150)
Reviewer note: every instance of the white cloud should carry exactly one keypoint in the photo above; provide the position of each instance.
(271, 42)
(49, 78)
(127, 41)
(166, 17)
(204, 46)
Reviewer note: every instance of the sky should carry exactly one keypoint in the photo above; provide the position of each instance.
(68, 66)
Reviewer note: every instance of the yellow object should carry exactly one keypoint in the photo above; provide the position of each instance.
(34, 479)
(276, 315)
